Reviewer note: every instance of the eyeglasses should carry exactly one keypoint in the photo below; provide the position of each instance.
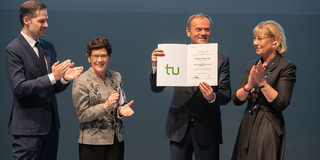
(259, 39)
(102, 56)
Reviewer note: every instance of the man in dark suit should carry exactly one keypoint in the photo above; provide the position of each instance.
(194, 123)
(35, 77)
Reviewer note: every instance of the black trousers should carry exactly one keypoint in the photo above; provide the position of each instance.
(102, 152)
(36, 147)
(184, 149)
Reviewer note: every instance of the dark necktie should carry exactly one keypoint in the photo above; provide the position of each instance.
(41, 57)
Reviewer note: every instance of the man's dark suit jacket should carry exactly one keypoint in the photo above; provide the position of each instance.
(34, 101)
(186, 103)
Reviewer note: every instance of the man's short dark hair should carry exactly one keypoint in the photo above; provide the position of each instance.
(29, 9)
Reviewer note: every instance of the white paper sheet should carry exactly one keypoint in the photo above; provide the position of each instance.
(187, 65)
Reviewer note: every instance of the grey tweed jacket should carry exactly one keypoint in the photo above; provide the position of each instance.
(89, 93)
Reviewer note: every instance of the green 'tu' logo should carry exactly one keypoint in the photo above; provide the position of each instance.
(172, 70)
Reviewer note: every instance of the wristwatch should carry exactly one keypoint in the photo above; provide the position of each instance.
(264, 85)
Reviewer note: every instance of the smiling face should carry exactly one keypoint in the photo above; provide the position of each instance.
(264, 44)
(36, 27)
(99, 60)
(199, 30)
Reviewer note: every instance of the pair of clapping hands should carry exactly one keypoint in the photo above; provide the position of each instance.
(66, 70)
(126, 110)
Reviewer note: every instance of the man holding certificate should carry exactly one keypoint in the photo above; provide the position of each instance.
(194, 123)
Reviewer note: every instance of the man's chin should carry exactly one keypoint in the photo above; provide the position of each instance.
(202, 41)
(42, 34)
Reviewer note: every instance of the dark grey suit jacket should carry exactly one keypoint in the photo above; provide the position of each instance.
(186, 102)
(34, 102)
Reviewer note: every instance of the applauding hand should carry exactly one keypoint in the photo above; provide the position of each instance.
(126, 110)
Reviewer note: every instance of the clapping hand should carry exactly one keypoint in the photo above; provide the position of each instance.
(256, 76)
(72, 73)
(126, 110)
(259, 74)
(113, 98)
(58, 69)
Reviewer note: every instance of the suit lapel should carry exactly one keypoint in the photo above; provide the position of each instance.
(110, 78)
(29, 49)
(196, 90)
(272, 65)
(46, 55)
(31, 52)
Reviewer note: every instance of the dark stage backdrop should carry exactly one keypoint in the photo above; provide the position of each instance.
(135, 29)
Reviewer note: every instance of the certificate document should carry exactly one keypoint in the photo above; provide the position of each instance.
(187, 64)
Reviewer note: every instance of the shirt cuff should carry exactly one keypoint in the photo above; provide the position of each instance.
(52, 80)
(63, 81)
(214, 99)
(118, 112)
(154, 69)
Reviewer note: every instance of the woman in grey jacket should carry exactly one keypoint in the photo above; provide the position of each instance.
(100, 104)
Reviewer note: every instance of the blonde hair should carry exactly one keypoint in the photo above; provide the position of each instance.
(273, 29)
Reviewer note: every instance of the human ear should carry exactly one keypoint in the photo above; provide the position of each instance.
(275, 41)
(26, 20)
(89, 58)
(188, 31)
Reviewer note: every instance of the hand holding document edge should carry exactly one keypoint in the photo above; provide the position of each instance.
(187, 64)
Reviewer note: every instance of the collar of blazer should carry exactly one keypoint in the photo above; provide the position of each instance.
(274, 62)
(30, 51)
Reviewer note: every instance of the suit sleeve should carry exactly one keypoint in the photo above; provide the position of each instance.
(153, 83)
(223, 94)
(16, 71)
(285, 85)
